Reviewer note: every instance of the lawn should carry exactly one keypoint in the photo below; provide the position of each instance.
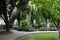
(43, 36)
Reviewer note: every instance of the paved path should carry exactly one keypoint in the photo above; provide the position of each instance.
(16, 34)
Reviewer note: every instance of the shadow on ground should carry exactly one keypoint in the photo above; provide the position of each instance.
(5, 33)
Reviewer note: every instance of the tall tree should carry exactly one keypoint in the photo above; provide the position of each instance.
(7, 8)
(50, 9)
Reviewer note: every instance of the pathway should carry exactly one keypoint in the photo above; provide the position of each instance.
(16, 34)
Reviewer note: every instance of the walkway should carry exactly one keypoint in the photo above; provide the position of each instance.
(16, 34)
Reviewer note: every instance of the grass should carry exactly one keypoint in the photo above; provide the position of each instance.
(43, 36)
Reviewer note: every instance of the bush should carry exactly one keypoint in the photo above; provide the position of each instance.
(24, 26)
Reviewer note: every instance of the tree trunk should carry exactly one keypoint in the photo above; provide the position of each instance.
(32, 20)
(59, 32)
(59, 35)
(32, 24)
(48, 24)
(5, 14)
(18, 19)
(18, 23)
(6, 22)
(58, 27)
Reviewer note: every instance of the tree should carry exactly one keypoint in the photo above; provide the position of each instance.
(49, 9)
(22, 6)
(6, 10)
(3, 11)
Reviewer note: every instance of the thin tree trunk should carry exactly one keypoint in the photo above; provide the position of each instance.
(46, 23)
(32, 22)
(58, 27)
(59, 35)
(18, 19)
(18, 23)
(59, 31)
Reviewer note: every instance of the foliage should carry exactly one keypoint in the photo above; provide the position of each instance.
(6, 9)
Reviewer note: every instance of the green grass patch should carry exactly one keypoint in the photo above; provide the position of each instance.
(42, 36)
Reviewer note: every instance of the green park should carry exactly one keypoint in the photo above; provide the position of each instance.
(29, 19)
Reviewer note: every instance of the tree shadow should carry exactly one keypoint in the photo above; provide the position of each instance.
(5, 33)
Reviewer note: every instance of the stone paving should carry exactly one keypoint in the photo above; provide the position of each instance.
(16, 34)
